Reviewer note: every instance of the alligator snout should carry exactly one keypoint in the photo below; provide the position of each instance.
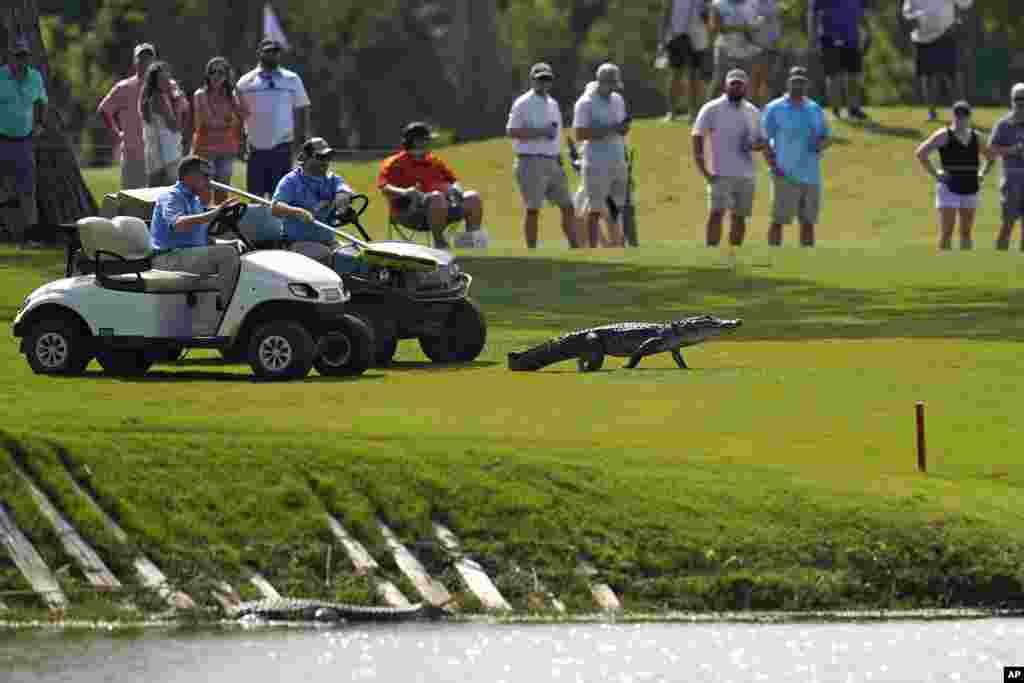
(732, 324)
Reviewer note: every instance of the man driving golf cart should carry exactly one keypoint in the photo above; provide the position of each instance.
(310, 193)
(425, 195)
(179, 228)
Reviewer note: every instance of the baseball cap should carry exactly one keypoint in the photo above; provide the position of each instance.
(21, 46)
(269, 43)
(736, 75)
(962, 106)
(798, 73)
(608, 72)
(1017, 91)
(194, 164)
(416, 129)
(143, 47)
(316, 147)
(541, 69)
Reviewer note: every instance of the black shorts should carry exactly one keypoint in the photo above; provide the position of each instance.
(940, 58)
(838, 59)
(681, 55)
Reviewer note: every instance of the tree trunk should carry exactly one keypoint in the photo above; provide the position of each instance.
(482, 83)
(61, 192)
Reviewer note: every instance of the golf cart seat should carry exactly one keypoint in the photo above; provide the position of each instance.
(120, 251)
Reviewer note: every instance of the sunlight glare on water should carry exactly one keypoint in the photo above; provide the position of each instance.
(897, 652)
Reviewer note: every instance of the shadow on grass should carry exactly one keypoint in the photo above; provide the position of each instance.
(430, 366)
(891, 131)
(159, 375)
(557, 296)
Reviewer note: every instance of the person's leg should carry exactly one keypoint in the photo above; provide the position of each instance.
(531, 220)
(593, 232)
(783, 209)
(947, 221)
(437, 219)
(254, 172)
(719, 201)
(1010, 198)
(473, 210)
(966, 228)
(569, 227)
(223, 167)
(558, 194)
(737, 229)
(808, 210)
(529, 182)
(742, 208)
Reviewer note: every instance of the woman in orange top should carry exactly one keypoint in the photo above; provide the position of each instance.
(219, 116)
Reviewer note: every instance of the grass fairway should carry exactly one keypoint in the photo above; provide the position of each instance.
(778, 472)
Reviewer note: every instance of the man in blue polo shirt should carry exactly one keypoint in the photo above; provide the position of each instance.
(797, 134)
(311, 192)
(179, 229)
(22, 110)
(838, 31)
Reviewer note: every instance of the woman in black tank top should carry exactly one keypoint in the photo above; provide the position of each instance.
(958, 182)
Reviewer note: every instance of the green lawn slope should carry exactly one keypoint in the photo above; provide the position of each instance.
(779, 472)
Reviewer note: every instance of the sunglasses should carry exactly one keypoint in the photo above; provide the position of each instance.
(544, 79)
(20, 55)
(1018, 99)
(271, 50)
(216, 72)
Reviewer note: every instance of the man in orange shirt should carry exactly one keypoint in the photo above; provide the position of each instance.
(425, 194)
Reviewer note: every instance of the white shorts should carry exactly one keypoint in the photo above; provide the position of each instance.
(945, 199)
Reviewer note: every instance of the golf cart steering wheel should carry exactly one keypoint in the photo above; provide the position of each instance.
(351, 215)
(227, 220)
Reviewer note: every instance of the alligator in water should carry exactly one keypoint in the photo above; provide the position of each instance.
(633, 340)
(293, 609)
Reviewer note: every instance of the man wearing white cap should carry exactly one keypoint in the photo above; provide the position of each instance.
(732, 126)
(601, 121)
(535, 126)
(1007, 141)
(936, 52)
(120, 112)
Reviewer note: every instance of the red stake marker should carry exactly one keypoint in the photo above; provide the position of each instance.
(922, 459)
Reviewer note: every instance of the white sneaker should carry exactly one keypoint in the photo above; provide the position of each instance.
(465, 240)
(480, 239)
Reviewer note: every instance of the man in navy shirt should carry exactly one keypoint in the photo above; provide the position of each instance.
(179, 229)
(837, 29)
(311, 192)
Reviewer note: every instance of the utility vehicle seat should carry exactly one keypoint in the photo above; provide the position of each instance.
(120, 249)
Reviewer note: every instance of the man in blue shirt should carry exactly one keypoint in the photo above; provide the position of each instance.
(22, 111)
(838, 32)
(311, 192)
(797, 134)
(179, 229)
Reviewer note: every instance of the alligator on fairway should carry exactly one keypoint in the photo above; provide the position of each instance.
(293, 609)
(633, 340)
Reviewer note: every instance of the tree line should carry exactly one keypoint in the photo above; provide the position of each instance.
(371, 66)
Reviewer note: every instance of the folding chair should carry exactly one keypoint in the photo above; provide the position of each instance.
(412, 233)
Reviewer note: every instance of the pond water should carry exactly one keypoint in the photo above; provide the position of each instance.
(900, 652)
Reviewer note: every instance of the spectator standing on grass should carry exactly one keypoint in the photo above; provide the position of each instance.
(219, 116)
(120, 112)
(535, 126)
(278, 120)
(797, 134)
(766, 37)
(683, 48)
(161, 126)
(838, 33)
(734, 22)
(1007, 142)
(936, 53)
(23, 104)
(601, 122)
(958, 183)
(732, 126)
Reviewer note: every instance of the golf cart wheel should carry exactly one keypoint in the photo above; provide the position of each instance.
(347, 350)
(281, 350)
(125, 363)
(57, 347)
(463, 338)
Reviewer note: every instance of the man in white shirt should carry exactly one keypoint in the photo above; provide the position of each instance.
(683, 47)
(535, 126)
(280, 118)
(600, 121)
(935, 47)
(732, 125)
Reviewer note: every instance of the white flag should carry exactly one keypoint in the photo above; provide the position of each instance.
(272, 27)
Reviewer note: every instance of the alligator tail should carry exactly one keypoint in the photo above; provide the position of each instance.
(541, 356)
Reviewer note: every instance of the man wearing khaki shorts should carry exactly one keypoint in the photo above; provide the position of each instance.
(732, 126)
(797, 133)
(535, 126)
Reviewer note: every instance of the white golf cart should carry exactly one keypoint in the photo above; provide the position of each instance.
(287, 312)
